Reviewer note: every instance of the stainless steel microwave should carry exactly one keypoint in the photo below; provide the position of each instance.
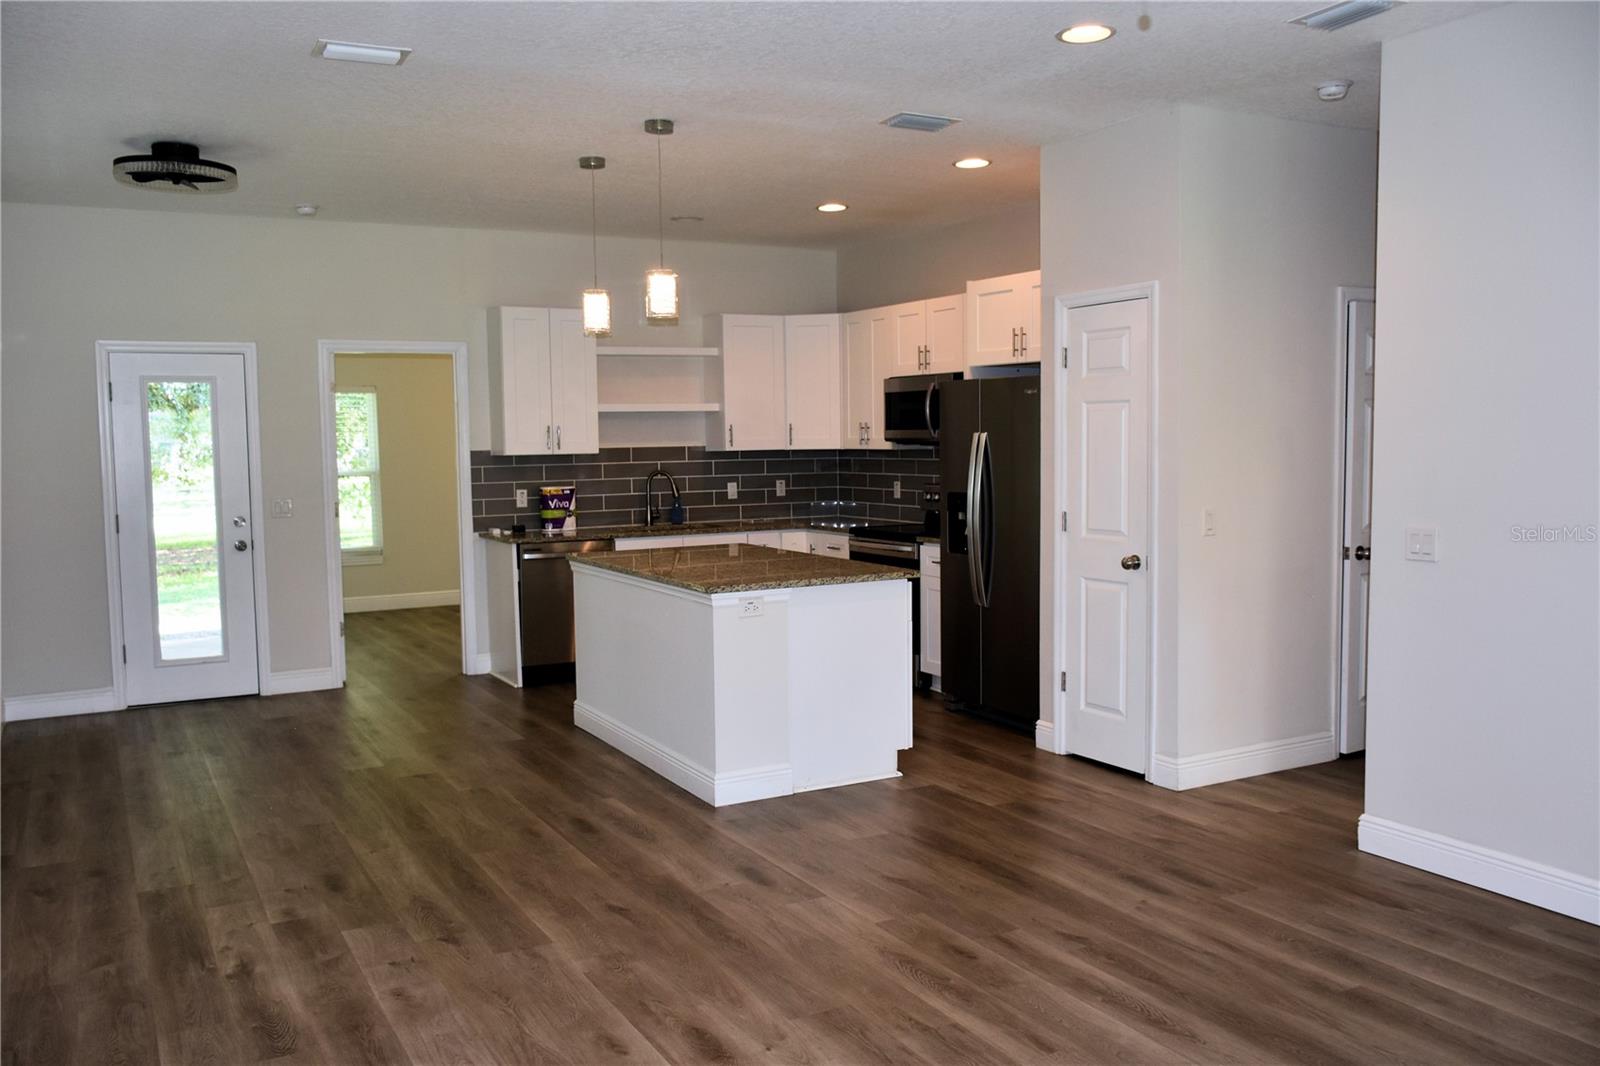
(911, 408)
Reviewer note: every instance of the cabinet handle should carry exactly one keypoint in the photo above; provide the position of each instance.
(1013, 342)
(546, 438)
(869, 433)
(791, 434)
(1024, 331)
(558, 438)
(730, 434)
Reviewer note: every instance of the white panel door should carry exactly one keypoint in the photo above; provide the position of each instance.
(185, 528)
(812, 376)
(753, 382)
(946, 334)
(574, 385)
(910, 337)
(1107, 632)
(860, 387)
(519, 372)
(1357, 580)
(997, 315)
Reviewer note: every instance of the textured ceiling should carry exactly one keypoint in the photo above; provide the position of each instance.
(778, 104)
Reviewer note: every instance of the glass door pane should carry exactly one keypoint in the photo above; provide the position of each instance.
(180, 435)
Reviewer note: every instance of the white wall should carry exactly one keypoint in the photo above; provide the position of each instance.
(929, 261)
(1483, 734)
(1248, 225)
(72, 276)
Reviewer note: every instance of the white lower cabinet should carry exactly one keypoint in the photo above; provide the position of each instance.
(630, 544)
(932, 631)
(794, 540)
(834, 544)
(767, 538)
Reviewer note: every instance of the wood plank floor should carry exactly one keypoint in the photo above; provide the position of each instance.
(431, 868)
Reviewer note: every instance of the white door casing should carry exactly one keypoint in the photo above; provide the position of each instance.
(1356, 571)
(189, 614)
(1106, 621)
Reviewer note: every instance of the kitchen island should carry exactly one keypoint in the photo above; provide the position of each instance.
(741, 672)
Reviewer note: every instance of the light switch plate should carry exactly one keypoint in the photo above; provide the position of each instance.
(1422, 544)
(1208, 522)
(782, 487)
(522, 499)
(733, 490)
(283, 507)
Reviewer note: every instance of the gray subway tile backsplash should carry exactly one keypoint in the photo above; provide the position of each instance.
(610, 484)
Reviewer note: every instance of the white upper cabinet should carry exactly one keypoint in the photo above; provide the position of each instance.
(813, 373)
(542, 383)
(1002, 319)
(946, 343)
(753, 387)
(910, 336)
(862, 387)
(574, 374)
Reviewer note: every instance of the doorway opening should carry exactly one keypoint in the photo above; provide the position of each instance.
(180, 460)
(395, 454)
(1356, 362)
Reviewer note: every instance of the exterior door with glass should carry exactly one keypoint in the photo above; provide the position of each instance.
(185, 528)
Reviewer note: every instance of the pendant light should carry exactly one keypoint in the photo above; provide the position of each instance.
(596, 301)
(660, 284)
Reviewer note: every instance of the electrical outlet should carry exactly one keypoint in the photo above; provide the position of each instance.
(522, 499)
(283, 507)
(897, 489)
(733, 490)
(783, 487)
(1208, 522)
(750, 608)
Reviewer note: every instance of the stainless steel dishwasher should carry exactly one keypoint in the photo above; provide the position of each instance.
(544, 601)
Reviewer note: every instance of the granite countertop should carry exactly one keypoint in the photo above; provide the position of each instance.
(667, 529)
(718, 568)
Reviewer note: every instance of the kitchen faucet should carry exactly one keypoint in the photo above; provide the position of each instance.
(650, 511)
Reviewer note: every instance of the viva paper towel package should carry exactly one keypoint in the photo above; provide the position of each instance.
(555, 505)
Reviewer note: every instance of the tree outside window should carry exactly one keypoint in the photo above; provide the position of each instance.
(360, 495)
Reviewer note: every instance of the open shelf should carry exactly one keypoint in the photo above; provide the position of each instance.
(657, 350)
(657, 408)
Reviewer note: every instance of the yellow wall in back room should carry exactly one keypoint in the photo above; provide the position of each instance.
(416, 449)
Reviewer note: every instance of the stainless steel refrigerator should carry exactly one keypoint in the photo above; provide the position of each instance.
(989, 565)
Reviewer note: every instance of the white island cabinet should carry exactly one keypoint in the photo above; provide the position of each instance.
(740, 672)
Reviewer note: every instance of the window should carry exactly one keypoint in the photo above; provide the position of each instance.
(360, 494)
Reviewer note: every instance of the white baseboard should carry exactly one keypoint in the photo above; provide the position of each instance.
(1211, 768)
(282, 682)
(719, 790)
(61, 704)
(1522, 879)
(402, 601)
(482, 663)
(1044, 736)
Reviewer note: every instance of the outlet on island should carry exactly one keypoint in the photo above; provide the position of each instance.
(750, 608)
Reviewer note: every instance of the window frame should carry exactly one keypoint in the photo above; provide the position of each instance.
(370, 555)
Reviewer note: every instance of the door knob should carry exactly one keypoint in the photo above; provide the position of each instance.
(1131, 562)
(1362, 553)
(241, 545)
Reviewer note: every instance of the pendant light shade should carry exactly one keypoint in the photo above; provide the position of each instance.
(596, 301)
(660, 284)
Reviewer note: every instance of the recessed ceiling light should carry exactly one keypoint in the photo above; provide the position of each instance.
(1332, 91)
(1085, 33)
(349, 51)
(832, 207)
(305, 210)
(971, 163)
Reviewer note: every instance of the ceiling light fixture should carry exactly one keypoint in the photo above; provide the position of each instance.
(971, 163)
(660, 284)
(1333, 91)
(1085, 33)
(596, 301)
(305, 210)
(176, 167)
(832, 207)
(350, 52)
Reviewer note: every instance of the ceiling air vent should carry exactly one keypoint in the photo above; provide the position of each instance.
(910, 120)
(1339, 16)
